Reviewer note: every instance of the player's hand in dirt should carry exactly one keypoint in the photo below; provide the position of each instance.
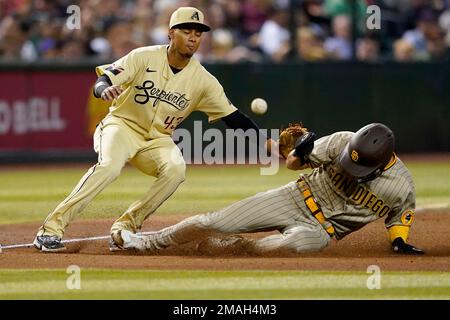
(400, 246)
(111, 93)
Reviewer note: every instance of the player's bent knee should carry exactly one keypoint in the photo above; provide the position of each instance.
(315, 247)
(312, 246)
(111, 170)
(304, 239)
(176, 171)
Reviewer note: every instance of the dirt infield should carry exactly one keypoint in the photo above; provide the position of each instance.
(355, 252)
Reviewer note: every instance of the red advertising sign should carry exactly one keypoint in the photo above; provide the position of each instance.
(42, 111)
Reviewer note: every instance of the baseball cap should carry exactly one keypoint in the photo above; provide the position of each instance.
(369, 149)
(188, 15)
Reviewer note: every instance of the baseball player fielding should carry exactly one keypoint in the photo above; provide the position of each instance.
(152, 92)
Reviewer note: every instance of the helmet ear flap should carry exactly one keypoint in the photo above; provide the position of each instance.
(371, 176)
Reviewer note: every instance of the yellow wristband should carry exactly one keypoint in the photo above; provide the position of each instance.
(398, 231)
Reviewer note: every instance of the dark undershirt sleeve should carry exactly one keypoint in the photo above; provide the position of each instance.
(101, 84)
(238, 120)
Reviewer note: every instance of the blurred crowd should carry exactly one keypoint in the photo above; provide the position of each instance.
(242, 30)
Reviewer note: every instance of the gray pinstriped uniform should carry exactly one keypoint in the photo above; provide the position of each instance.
(346, 205)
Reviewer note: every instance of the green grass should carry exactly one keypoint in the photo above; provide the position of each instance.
(432, 182)
(30, 194)
(212, 285)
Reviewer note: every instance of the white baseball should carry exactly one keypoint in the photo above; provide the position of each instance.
(259, 106)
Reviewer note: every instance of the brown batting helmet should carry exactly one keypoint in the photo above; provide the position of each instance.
(370, 149)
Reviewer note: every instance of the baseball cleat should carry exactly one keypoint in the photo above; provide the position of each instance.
(126, 238)
(116, 241)
(139, 241)
(135, 241)
(113, 247)
(48, 244)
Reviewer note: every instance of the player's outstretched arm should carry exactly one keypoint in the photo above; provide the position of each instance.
(111, 93)
(239, 120)
(398, 226)
(298, 143)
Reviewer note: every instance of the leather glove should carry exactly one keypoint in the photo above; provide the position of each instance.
(289, 136)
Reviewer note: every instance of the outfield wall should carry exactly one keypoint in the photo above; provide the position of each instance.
(47, 111)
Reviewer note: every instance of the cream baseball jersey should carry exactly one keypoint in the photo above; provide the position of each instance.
(350, 206)
(155, 100)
